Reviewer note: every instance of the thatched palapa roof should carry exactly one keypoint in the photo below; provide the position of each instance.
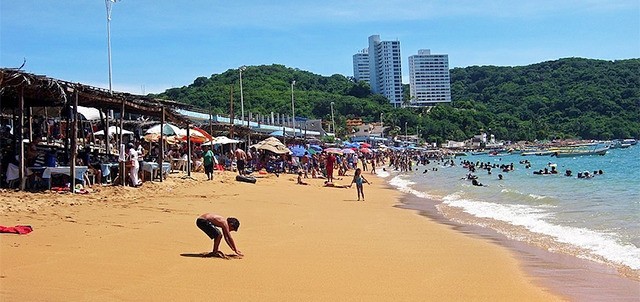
(42, 91)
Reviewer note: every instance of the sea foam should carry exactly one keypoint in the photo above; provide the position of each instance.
(404, 185)
(532, 218)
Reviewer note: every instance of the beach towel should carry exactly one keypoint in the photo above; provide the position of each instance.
(18, 229)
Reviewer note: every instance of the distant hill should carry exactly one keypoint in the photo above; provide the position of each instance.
(592, 99)
(267, 88)
(585, 98)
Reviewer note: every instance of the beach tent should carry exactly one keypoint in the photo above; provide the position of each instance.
(272, 144)
(114, 130)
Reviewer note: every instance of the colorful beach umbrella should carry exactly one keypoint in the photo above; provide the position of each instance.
(315, 147)
(168, 130)
(333, 150)
(348, 151)
(298, 151)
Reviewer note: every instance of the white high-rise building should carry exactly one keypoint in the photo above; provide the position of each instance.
(385, 72)
(361, 66)
(429, 78)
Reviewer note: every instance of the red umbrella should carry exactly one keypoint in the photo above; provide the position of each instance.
(365, 145)
(198, 136)
(365, 150)
(204, 133)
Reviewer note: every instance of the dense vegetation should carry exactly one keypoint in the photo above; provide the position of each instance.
(566, 98)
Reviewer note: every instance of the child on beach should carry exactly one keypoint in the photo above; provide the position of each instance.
(359, 179)
(300, 182)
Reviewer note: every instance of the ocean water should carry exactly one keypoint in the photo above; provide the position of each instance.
(597, 219)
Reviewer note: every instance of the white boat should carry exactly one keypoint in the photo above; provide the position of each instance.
(581, 150)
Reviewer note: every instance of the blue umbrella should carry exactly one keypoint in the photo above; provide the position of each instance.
(298, 151)
(315, 147)
(276, 133)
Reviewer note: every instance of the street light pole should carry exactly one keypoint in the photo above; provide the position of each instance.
(110, 113)
(241, 69)
(333, 121)
(109, 9)
(405, 131)
(293, 109)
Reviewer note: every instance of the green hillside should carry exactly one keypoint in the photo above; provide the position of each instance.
(591, 99)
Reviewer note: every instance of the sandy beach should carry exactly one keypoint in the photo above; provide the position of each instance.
(301, 243)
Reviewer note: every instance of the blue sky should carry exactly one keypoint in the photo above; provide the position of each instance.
(161, 44)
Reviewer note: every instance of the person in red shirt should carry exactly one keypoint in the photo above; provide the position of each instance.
(331, 159)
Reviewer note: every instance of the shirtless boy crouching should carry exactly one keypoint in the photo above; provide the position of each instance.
(216, 227)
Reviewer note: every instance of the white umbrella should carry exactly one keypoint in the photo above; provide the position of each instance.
(114, 129)
(167, 130)
(89, 113)
(272, 144)
(222, 140)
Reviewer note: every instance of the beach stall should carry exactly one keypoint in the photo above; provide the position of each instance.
(22, 94)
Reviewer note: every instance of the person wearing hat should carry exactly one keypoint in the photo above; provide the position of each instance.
(216, 227)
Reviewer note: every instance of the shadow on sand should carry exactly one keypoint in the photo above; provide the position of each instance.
(210, 255)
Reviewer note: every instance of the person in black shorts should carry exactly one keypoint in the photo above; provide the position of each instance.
(241, 160)
(216, 227)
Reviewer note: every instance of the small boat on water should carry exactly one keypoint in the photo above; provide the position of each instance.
(581, 150)
(479, 152)
(541, 152)
(621, 144)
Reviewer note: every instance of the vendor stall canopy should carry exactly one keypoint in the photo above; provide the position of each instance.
(42, 91)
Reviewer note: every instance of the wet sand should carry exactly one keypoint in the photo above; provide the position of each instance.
(301, 243)
(577, 279)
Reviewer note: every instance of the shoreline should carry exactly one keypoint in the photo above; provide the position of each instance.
(307, 243)
(568, 276)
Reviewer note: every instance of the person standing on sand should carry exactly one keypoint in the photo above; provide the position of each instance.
(359, 180)
(373, 165)
(330, 161)
(216, 227)
(241, 159)
(135, 166)
(207, 160)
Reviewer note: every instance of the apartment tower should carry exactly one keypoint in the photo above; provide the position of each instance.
(385, 73)
(361, 66)
(429, 78)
